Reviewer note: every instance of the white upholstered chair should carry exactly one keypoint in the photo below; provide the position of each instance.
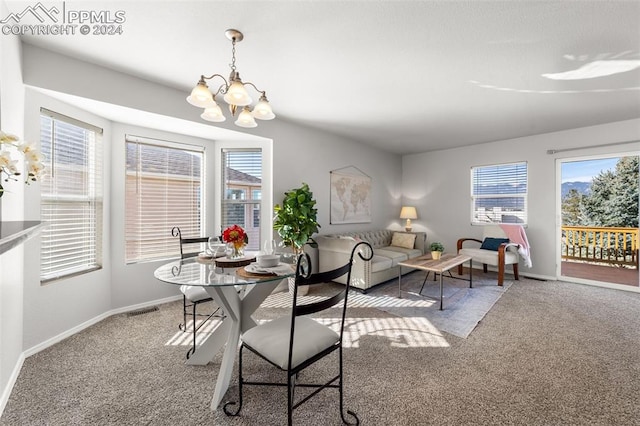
(494, 250)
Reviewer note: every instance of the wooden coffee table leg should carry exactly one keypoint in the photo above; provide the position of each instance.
(470, 274)
(399, 283)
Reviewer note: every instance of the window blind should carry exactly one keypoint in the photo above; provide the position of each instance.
(71, 196)
(499, 193)
(164, 187)
(242, 191)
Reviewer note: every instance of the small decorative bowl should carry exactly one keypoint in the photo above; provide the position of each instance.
(268, 260)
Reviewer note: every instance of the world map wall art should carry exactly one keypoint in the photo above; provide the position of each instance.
(350, 196)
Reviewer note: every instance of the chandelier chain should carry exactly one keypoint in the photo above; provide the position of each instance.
(233, 55)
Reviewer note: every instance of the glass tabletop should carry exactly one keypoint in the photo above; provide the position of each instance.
(195, 272)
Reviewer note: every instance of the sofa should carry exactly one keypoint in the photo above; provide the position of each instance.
(389, 248)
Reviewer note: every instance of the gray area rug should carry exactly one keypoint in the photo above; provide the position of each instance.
(464, 307)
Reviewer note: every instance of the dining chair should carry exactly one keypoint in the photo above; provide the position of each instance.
(294, 342)
(192, 296)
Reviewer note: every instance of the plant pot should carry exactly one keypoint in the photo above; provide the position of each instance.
(435, 255)
(302, 290)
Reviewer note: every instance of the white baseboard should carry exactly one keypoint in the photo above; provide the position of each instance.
(52, 341)
(6, 392)
(60, 337)
(509, 272)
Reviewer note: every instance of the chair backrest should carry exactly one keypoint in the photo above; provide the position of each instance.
(187, 245)
(305, 277)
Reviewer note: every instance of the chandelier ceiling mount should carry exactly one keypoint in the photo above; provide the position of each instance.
(233, 92)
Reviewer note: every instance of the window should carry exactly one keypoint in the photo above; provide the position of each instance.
(242, 186)
(499, 194)
(71, 196)
(164, 187)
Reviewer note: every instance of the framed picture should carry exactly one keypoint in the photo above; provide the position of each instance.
(350, 196)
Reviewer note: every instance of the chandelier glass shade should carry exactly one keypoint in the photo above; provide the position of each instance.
(234, 93)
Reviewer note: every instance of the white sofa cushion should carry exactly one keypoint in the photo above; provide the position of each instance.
(402, 239)
(411, 253)
(395, 256)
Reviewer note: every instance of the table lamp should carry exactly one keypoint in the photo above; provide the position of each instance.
(408, 213)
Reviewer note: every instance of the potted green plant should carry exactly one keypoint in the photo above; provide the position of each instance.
(296, 220)
(436, 250)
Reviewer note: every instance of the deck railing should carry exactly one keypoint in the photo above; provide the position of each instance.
(616, 246)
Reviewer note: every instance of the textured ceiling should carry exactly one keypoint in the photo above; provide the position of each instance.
(403, 76)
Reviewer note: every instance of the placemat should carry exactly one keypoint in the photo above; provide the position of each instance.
(245, 274)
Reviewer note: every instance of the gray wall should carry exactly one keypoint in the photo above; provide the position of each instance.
(438, 184)
(299, 154)
(11, 262)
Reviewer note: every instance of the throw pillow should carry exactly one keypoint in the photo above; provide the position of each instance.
(493, 243)
(403, 240)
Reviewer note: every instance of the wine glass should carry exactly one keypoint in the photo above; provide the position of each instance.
(269, 247)
(214, 245)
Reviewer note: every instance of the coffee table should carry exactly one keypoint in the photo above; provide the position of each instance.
(439, 266)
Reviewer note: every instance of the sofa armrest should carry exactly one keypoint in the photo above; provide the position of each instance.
(336, 244)
(335, 252)
(421, 241)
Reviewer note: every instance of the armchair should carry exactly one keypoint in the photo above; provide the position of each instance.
(495, 250)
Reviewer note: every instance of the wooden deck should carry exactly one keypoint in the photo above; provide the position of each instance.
(610, 274)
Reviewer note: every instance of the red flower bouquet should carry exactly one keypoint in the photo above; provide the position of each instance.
(235, 235)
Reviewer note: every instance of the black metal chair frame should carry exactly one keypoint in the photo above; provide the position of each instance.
(193, 305)
(304, 277)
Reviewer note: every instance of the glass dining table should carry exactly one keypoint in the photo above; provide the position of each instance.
(238, 307)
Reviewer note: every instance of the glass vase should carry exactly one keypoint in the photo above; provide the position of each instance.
(236, 251)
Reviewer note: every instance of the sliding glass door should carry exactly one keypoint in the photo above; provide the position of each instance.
(598, 235)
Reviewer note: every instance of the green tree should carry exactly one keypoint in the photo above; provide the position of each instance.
(613, 200)
(573, 209)
(622, 207)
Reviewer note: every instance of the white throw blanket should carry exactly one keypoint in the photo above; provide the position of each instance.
(516, 235)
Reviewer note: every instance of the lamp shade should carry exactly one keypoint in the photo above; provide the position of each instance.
(263, 110)
(245, 119)
(213, 113)
(201, 96)
(237, 94)
(408, 213)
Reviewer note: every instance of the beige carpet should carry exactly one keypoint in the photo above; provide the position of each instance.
(547, 353)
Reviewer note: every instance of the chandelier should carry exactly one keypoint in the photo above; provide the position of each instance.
(234, 94)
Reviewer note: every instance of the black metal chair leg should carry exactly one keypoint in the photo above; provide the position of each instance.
(227, 411)
(183, 326)
(194, 327)
(341, 390)
(289, 401)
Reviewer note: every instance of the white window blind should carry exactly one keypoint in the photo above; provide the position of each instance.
(71, 196)
(499, 193)
(164, 187)
(242, 189)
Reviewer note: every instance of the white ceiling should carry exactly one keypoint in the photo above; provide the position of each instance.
(406, 76)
